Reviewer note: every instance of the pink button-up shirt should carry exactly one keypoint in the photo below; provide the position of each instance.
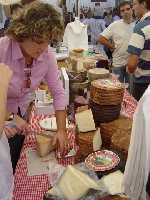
(43, 68)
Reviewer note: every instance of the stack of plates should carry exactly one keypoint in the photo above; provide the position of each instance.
(107, 92)
(104, 113)
(98, 73)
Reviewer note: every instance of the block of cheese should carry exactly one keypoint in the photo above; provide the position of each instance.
(113, 182)
(44, 144)
(74, 184)
(85, 121)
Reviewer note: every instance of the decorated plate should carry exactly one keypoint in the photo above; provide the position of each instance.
(50, 124)
(102, 160)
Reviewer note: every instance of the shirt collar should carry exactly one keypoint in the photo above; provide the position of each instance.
(145, 16)
(17, 53)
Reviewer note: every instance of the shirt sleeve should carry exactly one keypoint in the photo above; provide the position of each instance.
(55, 84)
(108, 32)
(136, 44)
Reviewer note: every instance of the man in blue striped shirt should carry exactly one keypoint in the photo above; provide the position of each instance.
(139, 48)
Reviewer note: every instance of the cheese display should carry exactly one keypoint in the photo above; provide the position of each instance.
(74, 184)
(113, 182)
(85, 121)
(88, 142)
(44, 145)
(118, 129)
(106, 92)
(98, 73)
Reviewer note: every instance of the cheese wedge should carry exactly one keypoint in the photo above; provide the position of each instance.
(113, 182)
(85, 121)
(74, 184)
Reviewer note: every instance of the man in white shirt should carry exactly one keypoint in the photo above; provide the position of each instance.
(119, 32)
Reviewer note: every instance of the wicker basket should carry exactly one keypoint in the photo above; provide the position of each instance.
(106, 92)
(75, 87)
(77, 77)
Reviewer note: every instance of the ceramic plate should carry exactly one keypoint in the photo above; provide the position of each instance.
(50, 124)
(102, 160)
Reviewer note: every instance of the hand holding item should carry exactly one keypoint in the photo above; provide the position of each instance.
(60, 139)
(16, 126)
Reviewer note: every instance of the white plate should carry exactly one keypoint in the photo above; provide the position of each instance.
(61, 56)
(50, 124)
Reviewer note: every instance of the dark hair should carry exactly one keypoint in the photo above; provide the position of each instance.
(36, 20)
(147, 3)
(125, 3)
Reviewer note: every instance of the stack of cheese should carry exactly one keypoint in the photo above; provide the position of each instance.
(116, 134)
(98, 73)
(106, 98)
(88, 138)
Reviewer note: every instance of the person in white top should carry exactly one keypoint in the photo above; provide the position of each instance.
(119, 32)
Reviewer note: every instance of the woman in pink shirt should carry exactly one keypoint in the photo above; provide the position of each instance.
(25, 50)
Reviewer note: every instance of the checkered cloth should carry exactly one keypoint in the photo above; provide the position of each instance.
(129, 105)
(34, 187)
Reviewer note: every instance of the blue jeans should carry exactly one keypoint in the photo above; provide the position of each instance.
(121, 72)
(124, 77)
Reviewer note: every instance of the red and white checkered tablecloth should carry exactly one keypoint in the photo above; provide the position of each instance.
(129, 105)
(34, 187)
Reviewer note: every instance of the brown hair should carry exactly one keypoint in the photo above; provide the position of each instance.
(36, 20)
(124, 3)
(147, 3)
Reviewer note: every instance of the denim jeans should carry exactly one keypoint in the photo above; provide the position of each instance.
(124, 77)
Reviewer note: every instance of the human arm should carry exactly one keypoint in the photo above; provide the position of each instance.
(104, 41)
(56, 88)
(5, 76)
(106, 36)
(132, 63)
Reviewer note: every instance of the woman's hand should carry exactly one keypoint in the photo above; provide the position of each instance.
(10, 131)
(60, 139)
(16, 126)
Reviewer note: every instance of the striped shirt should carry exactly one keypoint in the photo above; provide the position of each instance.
(140, 45)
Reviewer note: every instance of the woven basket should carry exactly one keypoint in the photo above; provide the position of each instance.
(75, 87)
(106, 92)
(77, 77)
